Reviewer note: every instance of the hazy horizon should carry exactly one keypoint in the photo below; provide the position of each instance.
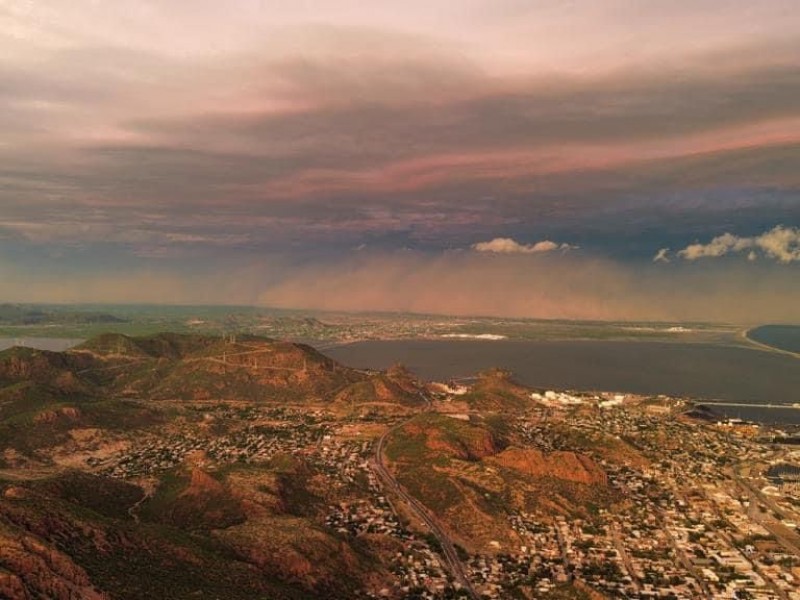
(120, 308)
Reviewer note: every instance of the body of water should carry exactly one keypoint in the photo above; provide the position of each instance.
(41, 343)
(782, 337)
(706, 371)
(759, 414)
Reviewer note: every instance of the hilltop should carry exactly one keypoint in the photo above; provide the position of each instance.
(496, 390)
(474, 474)
(196, 367)
(116, 383)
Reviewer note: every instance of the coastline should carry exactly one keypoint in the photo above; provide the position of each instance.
(745, 335)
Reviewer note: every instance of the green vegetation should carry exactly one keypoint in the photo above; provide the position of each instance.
(173, 366)
(110, 498)
(192, 502)
(496, 392)
(429, 443)
(432, 435)
(39, 420)
(134, 562)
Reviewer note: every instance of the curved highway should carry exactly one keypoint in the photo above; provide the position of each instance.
(420, 510)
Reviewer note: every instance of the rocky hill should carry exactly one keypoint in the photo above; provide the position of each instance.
(194, 367)
(394, 387)
(473, 476)
(114, 382)
(496, 390)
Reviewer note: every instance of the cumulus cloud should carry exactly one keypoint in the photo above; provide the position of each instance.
(511, 246)
(780, 243)
(662, 255)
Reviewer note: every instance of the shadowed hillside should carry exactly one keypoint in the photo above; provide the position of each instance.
(73, 537)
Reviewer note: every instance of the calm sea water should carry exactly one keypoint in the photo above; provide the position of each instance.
(784, 337)
(704, 371)
(759, 414)
(41, 343)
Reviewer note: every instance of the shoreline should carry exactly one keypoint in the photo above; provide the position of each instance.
(745, 335)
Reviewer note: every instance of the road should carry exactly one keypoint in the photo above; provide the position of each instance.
(684, 560)
(786, 537)
(148, 489)
(562, 545)
(747, 404)
(623, 554)
(222, 359)
(754, 514)
(423, 514)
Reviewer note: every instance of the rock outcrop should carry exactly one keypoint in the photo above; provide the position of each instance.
(31, 568)
(568, 466)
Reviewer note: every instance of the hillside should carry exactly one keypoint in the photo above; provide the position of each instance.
(396, 387)
(195, 367)
(174, 367)
(73, 537)
(114, 384)
(496, 390)
(473, 476)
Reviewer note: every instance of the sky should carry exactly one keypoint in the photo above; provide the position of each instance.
(603, 159)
